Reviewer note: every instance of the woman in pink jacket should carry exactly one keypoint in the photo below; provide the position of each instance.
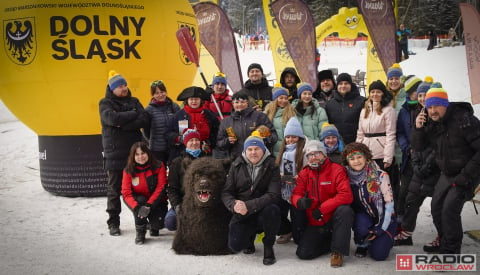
(377, 126)
(377, 129)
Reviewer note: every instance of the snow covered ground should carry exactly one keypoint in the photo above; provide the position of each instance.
(45, 234)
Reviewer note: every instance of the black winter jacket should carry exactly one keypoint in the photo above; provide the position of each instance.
(256, 195)
(344, 112)
(292, 91)
(121, 119)
(425, 172)
(456, 141)
(160, 121)
(243, 124)
(259, 94)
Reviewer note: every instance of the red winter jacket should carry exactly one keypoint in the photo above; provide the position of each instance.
(328, 186)
(146, 183)
(224, 102)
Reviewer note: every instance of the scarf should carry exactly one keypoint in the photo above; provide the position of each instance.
(288, 160)
(198, 121)
(331, 149)
(161, 103)
(369, 176)
(194, 153)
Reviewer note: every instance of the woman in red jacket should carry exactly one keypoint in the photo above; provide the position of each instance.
(144, 190)
(323, 190)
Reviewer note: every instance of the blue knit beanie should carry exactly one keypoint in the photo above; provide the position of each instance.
(278, 91)
(115, 80)
(219, 79)
(425, 85)
(394, 71)
(329, 130)
(302, 87)
(293, 128)
(255, 139)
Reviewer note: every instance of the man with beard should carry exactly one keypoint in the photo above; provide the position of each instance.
(454, 133)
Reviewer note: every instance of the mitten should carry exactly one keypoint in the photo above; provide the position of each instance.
(317, 214)
(143, 211)
(304, 203)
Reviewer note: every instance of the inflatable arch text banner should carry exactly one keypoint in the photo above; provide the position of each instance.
(55, 62)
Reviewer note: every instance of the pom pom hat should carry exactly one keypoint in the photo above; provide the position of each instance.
(293, 128)
(219, 78)
(411, 84)
(425, 85)
(278, 90)
(329, 130)
(188, 134)
(436, 96)
(115, 80)
(394, 71)
(255, 139)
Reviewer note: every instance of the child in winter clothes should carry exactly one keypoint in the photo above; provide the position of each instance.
(290, 161)
(144, 190)
(375, 223)
(333, 142)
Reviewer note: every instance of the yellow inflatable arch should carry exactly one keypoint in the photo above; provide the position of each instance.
(55, 64)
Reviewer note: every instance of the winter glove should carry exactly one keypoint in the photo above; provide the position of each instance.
(317, 214)
(209, 90)
(143, 211)
(305, 202)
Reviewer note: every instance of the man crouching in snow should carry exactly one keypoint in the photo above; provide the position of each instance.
(252, 192)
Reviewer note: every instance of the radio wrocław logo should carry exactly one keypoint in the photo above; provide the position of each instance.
(20, 41)
(434, 262)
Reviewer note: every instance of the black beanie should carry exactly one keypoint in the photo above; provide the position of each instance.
(256, 66)
(325, 74)
(344, 77)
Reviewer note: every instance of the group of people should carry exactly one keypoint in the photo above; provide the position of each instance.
(307, 164)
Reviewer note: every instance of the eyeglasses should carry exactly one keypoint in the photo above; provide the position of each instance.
(220, 74)
(156, 83)
(314, 155)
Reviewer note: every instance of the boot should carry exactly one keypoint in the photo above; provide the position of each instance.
(268, 255)
(433, 247)
(403, 238)
(141, 231)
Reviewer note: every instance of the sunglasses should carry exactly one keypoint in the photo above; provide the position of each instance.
(156, 83)
(220, 74)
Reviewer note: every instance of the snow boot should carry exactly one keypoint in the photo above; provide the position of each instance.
(268, 255)
(141, 231)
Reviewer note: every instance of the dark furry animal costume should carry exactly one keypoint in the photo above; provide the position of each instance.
(202, 220)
